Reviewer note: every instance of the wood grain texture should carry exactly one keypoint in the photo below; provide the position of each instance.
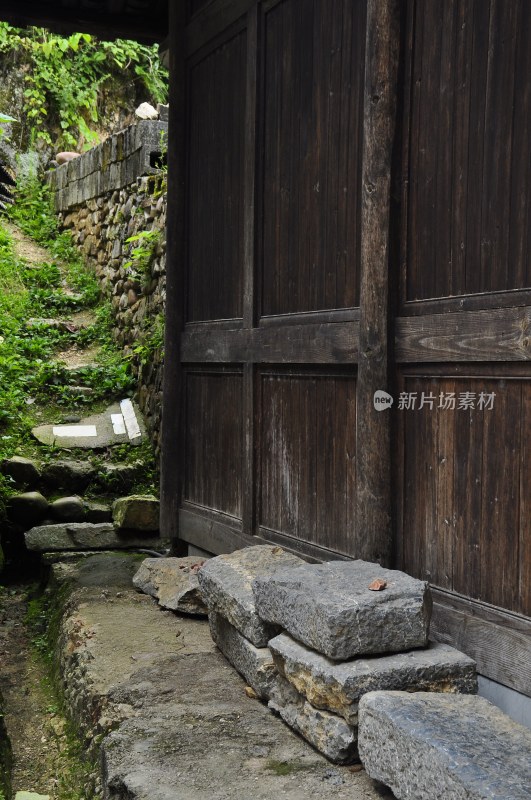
(215, 207)
(311, 134)
(214, 440)
(466, 489)
(308, 478)
(173, 402)
(494, 335)
(373, 535)
(499, 642)
(469, 177)
(328, 343)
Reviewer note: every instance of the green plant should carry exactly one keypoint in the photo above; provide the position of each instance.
(150, 344)
(67, 75)
(142, 256)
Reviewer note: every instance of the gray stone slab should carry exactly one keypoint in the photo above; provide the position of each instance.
(105, 435)
(328, 733)
(330, 608)
(438, 745)
(226, 585)
(83, 536)
(254, 663)
(338, 687)
(173, 583)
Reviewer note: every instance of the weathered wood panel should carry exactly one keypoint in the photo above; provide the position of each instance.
(470, 164)
(494, 335)
(214, 419)
(499, 642)
(311, 131)
(466, 487)
(216, 108)
(307, 457)
(329, 343)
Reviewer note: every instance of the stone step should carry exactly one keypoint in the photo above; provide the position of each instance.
(226, 586)
(338, 687)
(87, 536)
(254, 663)
(428, 745)
(173, 583)
(346, 608)
(121, 423)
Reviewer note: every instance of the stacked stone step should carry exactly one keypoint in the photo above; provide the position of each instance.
(313, 639)
(237, 629)
(351, 626)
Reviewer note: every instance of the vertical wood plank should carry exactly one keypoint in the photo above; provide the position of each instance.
(373, 535)
(249, 270)
(172, 429)
(525, 502)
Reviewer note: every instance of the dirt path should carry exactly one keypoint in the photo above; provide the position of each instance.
(25, 247)
(35, 726)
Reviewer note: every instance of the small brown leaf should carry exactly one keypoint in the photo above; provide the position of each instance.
(250, 692)
(356, 768)
(377, 585)
(277, 550)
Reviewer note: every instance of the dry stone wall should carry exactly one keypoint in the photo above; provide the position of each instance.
(106, 196)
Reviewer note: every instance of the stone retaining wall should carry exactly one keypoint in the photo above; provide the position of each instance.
(104, 197)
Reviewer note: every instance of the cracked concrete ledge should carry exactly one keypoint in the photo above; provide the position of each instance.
(164, 712)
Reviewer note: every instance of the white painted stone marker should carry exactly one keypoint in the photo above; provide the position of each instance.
(118, 424)
(131, 422)
(74, 430)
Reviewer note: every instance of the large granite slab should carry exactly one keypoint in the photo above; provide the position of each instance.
(226, 586)
(338, 687)
(331, 608)
(173, 583)
(328, 733)
(254, 663)
(438, 745)
(84, 536)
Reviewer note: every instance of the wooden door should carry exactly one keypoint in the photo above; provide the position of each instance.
(269, 348)
(463, 345)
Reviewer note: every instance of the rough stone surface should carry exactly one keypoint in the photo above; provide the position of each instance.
(173, 583)
(83, 536)
(337, 687)
(254, 663)
(137, 512)
(173, 715)
(106, 437)
(437, 745)
(67, 509)
(226, 585)
(97, 512)
(327, 732)
(330, 608)
(23, 471)
(28, 508)
(74, 476)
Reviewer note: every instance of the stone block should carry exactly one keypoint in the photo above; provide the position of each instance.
(83, 536)
(338, 687)
(136, 512)
(437, 745)
(68, 509)
(23, 471)
(28, 508)
(330, 608)
(97, 512)
(327, 732)
(226, 581)
(254, 663)
(173, 583)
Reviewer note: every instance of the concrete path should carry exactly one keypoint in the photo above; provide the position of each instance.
(171, 717)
